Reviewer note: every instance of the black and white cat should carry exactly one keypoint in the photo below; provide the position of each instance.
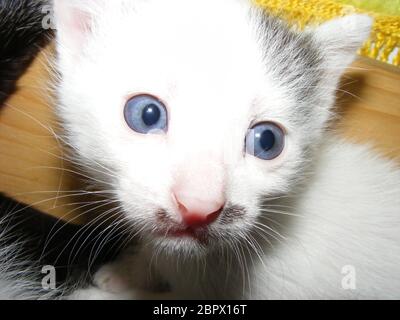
(31, 241)
(206, 121)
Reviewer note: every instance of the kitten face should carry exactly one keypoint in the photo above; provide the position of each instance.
(215, 70)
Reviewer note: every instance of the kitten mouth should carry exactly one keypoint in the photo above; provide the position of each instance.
(177, 231)
(200, 235)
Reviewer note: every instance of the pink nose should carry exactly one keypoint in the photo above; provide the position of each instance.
(197, 212)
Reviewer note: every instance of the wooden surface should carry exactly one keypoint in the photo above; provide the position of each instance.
(369, 106)
(32, 168)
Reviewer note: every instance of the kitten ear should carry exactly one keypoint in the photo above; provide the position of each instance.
(339, 40)
(74, 20)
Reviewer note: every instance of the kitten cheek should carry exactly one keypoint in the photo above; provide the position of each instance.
(273, 164)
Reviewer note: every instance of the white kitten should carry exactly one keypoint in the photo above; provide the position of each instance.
(206, 119)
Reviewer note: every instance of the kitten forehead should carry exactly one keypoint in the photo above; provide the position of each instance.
(192, 41)
(203, 53)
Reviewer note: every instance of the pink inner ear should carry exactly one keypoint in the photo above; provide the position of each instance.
(82, 27)
(73, 24)
(80, 21)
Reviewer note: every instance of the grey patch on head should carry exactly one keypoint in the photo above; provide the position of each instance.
(232, 213)
(292, 58)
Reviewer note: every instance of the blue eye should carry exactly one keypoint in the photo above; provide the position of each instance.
(265, 141)
(146, 114)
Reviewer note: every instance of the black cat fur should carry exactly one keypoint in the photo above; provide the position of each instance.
(25, 232)
(21, 38)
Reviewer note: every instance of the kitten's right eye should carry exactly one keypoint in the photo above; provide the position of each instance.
(146, 114)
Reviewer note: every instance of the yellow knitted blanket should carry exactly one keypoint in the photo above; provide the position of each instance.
(384, 43)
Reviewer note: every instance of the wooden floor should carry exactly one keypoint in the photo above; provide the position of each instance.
(32, 168)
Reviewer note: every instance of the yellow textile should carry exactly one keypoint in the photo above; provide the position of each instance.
(383, 45)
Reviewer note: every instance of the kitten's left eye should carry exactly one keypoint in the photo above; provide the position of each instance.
(146, 114)
(265, 141)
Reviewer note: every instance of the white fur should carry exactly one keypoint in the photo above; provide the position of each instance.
(207, 61)
(348, 215)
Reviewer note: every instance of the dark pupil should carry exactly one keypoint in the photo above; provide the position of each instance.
(151, 115)
(267, 140)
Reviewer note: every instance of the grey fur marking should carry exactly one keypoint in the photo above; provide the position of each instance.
(285, 48)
